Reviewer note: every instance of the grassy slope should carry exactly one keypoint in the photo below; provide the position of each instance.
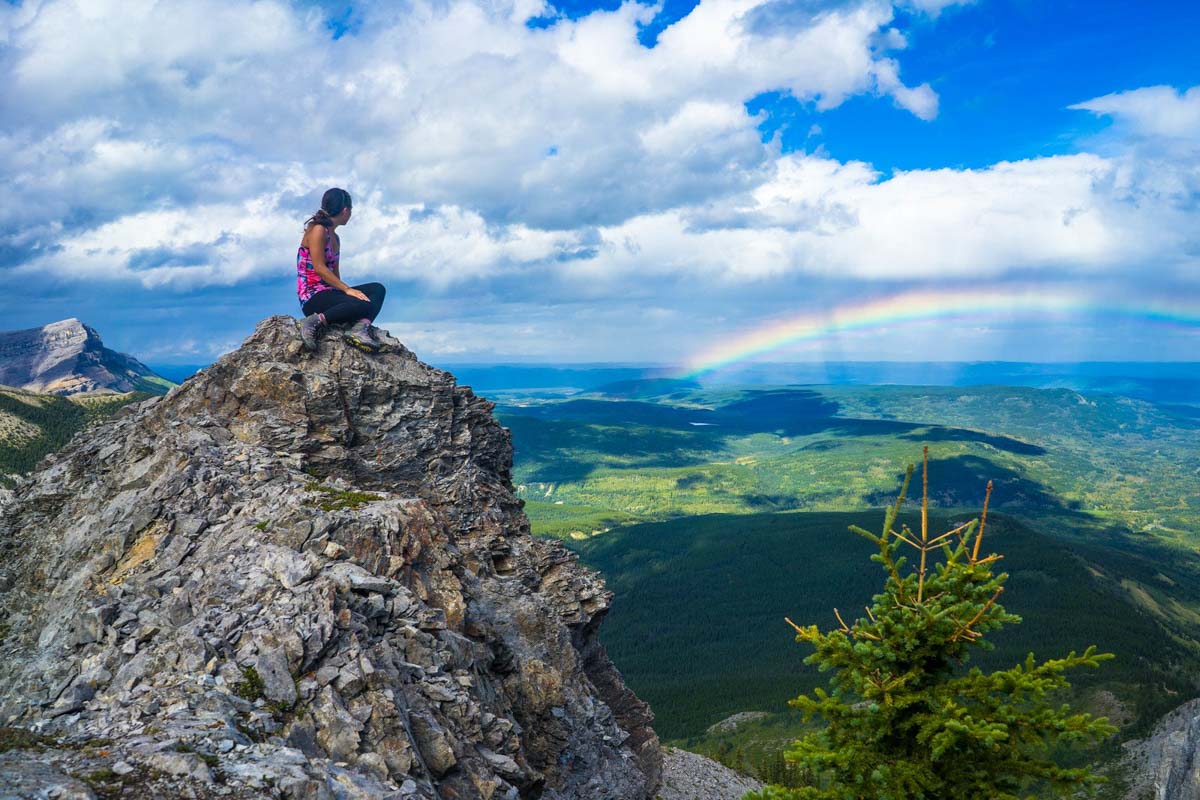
(33, 425)
(1129, 460)
(154, 384)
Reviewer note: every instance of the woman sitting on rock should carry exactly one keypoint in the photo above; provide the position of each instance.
(324, 298)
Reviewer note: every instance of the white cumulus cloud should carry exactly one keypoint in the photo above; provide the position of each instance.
(143, 104)
(1153, 111)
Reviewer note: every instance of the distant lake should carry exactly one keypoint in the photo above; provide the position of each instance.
(177, 373)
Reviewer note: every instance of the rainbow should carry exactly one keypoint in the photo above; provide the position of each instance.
(923, 305)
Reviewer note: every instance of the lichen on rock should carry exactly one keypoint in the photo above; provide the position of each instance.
(409, 637)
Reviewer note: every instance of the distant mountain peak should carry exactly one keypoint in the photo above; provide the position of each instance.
(69, 321)
(68, 357)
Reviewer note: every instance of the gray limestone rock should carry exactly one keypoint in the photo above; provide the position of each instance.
(278, 684)
(308, 571)
(1166, 764)
(183, 765)
(289, 567)
(687, 776)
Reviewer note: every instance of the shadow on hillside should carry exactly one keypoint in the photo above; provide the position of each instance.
(771, 408)
(961, 482)
(1186, 414)
(571, 449)
(618, 412)
(647, 388)
(803, 412)
(634, 434)
(937, 433)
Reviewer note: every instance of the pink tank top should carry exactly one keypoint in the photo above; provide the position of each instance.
(308, 282)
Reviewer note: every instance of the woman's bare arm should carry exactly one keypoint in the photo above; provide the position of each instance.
(314, 240)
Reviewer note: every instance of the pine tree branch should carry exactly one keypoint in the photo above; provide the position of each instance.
(947, 534)
(865, 533)
(966, 629)
(924, 520)
(987, 495)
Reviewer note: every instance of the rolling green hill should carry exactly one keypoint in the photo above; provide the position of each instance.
(1125, 462)
(33, 425)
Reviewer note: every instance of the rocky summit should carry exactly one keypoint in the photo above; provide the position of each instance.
(67, 357)
(306, 576)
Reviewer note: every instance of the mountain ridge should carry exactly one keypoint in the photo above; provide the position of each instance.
(68, 358)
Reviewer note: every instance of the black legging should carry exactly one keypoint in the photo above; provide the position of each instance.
(337, 306)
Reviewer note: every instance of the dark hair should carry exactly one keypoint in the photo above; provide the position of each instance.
(333, 202)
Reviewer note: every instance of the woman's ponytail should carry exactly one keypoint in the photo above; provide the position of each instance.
(333, 202)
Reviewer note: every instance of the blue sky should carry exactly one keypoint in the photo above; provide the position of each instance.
(609, 182)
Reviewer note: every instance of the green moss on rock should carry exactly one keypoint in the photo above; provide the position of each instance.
(338, 499)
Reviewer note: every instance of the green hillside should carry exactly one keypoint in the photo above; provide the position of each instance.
(33, 425)
(697, 622)
(1125, 462)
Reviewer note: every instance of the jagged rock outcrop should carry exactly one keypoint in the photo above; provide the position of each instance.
(306, 575)
(67, 357)
(731, 723)
(1166, 764)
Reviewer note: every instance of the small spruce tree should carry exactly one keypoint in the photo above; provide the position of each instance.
(903, 722)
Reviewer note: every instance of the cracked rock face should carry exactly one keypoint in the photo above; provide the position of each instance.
(1166, 765)
(307, 575)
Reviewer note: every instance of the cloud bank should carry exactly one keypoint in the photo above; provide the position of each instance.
(176, 147)
(128, 110)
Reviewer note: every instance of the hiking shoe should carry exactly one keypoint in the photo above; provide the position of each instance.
(360, 336)
(311, 328)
